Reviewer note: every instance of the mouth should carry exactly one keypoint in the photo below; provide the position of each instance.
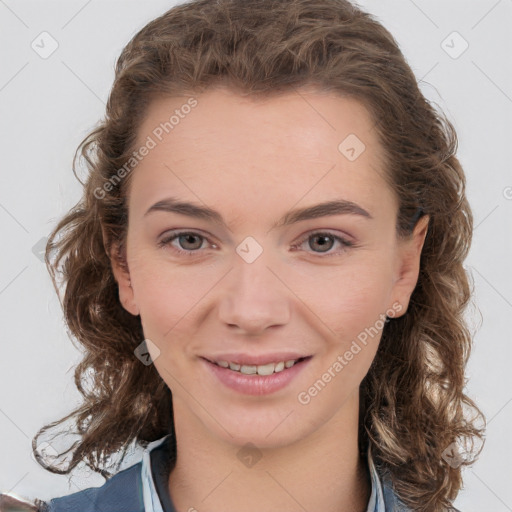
(256, 379)
(262, 369)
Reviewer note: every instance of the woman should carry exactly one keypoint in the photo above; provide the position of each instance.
(261, 371)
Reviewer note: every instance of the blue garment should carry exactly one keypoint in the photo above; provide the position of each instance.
(143, 487)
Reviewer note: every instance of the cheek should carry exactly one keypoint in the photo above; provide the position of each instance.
(349, 298)
(169, 297)
(353, 307)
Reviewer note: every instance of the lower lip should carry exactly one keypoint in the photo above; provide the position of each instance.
(256, 384)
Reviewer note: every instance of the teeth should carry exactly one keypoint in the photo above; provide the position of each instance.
(279, 367)
(266, 369)
(263, 369)
(248, 369)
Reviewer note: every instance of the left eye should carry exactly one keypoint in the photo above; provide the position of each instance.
(190, 242)
(324, 246)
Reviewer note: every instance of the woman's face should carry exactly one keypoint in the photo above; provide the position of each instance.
(251, 272)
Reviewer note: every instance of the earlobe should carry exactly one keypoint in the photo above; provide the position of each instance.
(408, 264)
(122, 276)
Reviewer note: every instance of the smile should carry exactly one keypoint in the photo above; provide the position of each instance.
(262, 369)
(251, 379)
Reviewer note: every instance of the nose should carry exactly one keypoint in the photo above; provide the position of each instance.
(254, 297)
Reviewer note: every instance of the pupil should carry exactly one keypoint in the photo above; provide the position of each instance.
(322, 244)
(188, 238)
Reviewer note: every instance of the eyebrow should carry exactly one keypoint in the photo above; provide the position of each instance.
(328, 208)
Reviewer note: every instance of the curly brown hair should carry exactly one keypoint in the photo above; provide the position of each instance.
(413, 404)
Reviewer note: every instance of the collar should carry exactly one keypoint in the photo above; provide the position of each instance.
(376, 502)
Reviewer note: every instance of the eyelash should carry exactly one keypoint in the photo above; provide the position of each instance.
(166, 242)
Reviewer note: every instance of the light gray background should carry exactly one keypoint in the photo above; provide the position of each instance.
(48, 106)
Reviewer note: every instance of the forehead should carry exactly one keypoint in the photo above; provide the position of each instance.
(221, 145)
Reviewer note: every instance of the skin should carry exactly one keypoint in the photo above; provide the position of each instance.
(252, 161)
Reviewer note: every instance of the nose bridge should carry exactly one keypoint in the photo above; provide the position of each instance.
(255, 298)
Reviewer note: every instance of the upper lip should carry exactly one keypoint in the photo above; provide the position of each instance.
(256, 360)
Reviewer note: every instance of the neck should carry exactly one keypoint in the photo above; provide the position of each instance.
(320, 472)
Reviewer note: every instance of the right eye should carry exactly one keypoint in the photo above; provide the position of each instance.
(184, 239)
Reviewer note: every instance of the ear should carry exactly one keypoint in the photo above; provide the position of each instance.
(408, 264)
(121, 273)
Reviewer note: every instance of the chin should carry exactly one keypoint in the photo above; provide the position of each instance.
(277, 427)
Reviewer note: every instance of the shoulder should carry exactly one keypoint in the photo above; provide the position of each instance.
(391, 501)
(123, 492)
(120, 493)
